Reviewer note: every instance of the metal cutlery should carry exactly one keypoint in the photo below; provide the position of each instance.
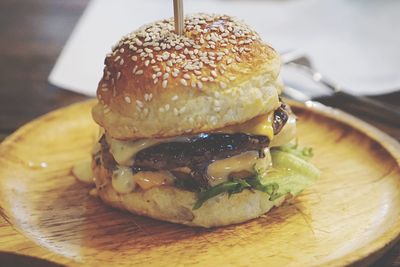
(366, 105)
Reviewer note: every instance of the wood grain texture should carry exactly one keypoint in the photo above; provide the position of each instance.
(350, 216)
(33, 34)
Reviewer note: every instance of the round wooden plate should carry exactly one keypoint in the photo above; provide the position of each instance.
(350, 216)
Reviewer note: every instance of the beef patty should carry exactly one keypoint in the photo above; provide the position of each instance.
(198, 151)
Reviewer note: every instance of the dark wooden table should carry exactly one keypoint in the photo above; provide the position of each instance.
(32, 34)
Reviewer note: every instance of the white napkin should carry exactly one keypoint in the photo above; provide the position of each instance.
(354, 43)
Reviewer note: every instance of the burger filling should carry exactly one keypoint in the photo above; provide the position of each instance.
(225, 160)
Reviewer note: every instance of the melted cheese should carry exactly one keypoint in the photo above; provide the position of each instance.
(287, 134)
(122, 180)
(83, 171)
(147, 180)
(260, 125)
(124, 151)
(220, 170)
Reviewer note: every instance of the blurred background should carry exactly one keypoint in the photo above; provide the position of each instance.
(352, 42)
(52, 51)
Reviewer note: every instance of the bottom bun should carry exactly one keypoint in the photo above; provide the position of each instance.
(172, 204)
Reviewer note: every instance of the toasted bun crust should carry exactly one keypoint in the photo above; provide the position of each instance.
(158, 84)
(175, 205)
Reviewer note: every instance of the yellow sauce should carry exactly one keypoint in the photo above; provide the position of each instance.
(83, 171)
(122, 180)
(147, 180)
(220, 170)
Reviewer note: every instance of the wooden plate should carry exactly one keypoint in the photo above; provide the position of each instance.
(350, 216)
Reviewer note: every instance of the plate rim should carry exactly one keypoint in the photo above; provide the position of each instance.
(366, 254)
(370, 252)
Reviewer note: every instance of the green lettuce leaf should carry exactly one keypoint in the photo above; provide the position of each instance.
(290, 173)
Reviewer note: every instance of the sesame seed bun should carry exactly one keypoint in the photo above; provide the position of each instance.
(175, 205)
(158, 84)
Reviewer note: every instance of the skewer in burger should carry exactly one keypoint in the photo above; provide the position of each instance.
(193, 130)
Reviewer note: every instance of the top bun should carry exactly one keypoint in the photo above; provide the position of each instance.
(158, 84)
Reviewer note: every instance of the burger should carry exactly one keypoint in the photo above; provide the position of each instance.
(192, 127)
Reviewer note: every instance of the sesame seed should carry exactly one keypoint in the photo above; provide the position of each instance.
(127, 99)
(165, 55)
(165, 83)
(193, 55)
(174, 98)
(138, 42)
(222, 85)
(118, 75)
(166, 107)
(183, 82)
(139, 103)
